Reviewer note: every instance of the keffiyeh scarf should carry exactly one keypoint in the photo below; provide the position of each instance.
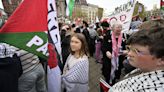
(144, 82)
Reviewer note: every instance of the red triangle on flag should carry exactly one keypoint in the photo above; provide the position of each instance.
(30, 16)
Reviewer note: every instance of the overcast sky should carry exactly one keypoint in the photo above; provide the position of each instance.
(1, 4)
(110, 5)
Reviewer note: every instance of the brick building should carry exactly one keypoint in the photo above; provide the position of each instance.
(87, 12)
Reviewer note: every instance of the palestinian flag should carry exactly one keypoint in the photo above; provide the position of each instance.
(162, 4)
(70, 7)
(26, 27)
(29, 27)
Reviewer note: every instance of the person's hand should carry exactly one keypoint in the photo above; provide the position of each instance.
(125, 52)
(108, 54)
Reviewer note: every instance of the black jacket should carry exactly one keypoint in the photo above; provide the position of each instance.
(10, 71)
(107, 46)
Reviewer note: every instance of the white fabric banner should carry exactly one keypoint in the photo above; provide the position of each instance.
(53, 26)
(54, 74)
(124, 17)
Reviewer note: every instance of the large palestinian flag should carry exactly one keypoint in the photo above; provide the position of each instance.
(26, 27)
(29, 28)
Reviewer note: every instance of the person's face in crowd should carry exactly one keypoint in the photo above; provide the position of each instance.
(140, 57)
(117, 29)
(75, 44)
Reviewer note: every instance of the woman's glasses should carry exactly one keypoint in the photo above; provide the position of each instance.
(130, 48)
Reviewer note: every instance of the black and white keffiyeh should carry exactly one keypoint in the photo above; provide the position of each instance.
(6, 50)
(75, 79)
(144, 82)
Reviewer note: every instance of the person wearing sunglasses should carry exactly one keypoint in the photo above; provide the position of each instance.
(146, 53)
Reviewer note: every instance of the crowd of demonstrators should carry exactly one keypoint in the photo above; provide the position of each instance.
(33, 75)
(113, 47)
(78, 43)
(76, 70)
(146, 49)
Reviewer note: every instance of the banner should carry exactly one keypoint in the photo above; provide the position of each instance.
(123, 15)
(53, 70)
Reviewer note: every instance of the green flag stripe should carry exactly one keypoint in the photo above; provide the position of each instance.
(20, 40)
(162, 8)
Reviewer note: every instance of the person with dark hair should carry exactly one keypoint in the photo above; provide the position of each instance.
(87, 36)
(73, 27)
(146, 53)
(76, 70)
(65, 42)
(77, 30)
(97, 24)
(105, 26)
(85, 23)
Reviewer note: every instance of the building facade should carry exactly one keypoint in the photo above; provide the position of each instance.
(82, 9)
(10, 5)
(87, 12)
